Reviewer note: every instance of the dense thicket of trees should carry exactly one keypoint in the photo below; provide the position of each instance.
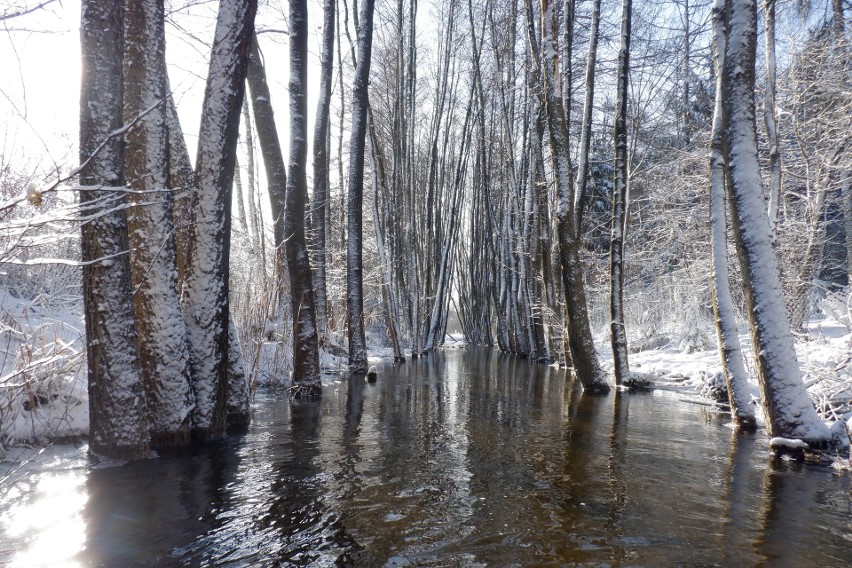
(494, 146)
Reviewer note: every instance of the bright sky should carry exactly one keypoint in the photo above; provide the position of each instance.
(40, 78)
(39, 87)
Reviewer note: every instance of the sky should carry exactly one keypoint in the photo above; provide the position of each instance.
(40, 77)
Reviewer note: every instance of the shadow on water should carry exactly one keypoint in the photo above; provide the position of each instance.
(462, 458)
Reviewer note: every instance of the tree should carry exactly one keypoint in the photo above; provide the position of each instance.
(586, 128)
(733, 365)
(581, 345)
(273, 159)
(788, 409)
(205, 292)
(770, 114)
(320, 203)
(306, 370)
(618, 333)
(355, 198)
(161, 332)
(117, 408)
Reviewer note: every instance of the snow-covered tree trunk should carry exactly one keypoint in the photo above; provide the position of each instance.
(320, 205)
(355, 198)
(586, 127)
(273, 160)
(306, 369)
(205, 292)
(117, 409)
(618, 334)
(787, 406)
(161, 332)
(580, 343)
(770, 114)
(182, 183)
(733, 365)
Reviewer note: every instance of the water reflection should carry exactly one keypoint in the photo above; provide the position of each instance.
(463, 458)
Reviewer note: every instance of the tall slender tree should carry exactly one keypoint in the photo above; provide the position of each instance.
(618, 333)
(581, 345)
(355, 198)
(588, 109)
(320, 203)
(306, 370)
(273, 159)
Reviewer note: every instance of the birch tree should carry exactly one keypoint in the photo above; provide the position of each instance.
(787, 406)
(117, 409)
(354, 205)
(205, 292)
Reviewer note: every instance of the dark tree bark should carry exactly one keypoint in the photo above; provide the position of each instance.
(320, 205)
(586, 127)
(273, 158)
(117, 409)
(306, 370)
(618, 333)
(354, 223)
(161, 332)
(205, 291)
(580, 342)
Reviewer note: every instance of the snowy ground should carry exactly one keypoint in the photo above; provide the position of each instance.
(43, 385)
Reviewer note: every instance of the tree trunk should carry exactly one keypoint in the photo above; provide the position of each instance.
(320, 203)
(580, 342)
(161, 331)
(205, 291)
(306, 370)
(586, 132)
(273, 159)
(769, 115)
(733, 365)
(117, 409)
(787, 406)
(354, 224)
(618, 333)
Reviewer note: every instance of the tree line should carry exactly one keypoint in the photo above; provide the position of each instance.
(532, 172)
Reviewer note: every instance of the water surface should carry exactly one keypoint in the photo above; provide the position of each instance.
(464, 458)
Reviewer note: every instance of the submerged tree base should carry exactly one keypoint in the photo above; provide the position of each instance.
(305, 391)
(176, 439)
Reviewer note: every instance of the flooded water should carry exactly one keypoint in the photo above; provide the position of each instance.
(465, 458)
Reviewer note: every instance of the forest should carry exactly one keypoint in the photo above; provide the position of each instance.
(571, 182)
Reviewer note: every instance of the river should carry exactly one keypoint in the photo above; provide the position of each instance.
(463, 458)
